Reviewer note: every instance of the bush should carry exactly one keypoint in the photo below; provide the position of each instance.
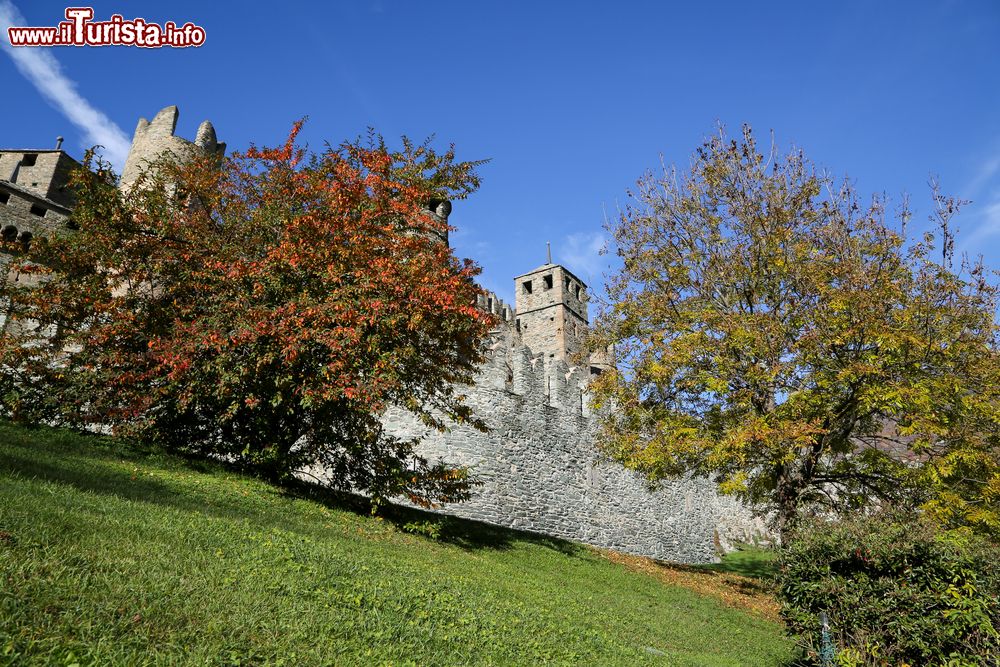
(896, 590)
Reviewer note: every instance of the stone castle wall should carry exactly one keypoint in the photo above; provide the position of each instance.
(154, 140)
(34, 197)
(541, 471)
(538, 463)
(46, 176)
(24, 211)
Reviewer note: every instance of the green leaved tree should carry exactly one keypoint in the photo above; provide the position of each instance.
(775, 331)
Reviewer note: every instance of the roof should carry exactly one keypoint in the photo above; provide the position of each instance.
(549, 266)
(35, 150)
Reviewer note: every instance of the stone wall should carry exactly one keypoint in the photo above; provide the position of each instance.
(44, 173)
(551, 311)
(34, 194)
(541, 470)
(154, 140)
(28, 212)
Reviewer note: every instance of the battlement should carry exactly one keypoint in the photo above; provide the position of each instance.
(513, 367)
(540, 469)
(155, 139)
(538, 462)
(491, 303)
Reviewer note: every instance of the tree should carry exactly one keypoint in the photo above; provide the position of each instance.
(771, 331)
(266, 310)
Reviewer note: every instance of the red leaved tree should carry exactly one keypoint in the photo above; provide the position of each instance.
(266, 310)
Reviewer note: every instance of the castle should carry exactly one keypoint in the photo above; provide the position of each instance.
(539, 466)
(34, 198)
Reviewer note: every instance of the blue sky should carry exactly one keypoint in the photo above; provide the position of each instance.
(570, 101)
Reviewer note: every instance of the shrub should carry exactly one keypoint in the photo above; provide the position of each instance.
(896, 590)
(430, 529)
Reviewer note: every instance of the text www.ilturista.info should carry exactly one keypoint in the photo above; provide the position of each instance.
(80, 30)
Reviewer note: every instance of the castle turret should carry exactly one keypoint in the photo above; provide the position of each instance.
(35, 197)
(551, 307)
(155, 139)
(439, 209)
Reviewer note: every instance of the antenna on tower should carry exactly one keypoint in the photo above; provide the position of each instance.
(548, 252)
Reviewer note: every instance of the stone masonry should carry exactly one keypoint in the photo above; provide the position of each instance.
(551, 311)
(541, 471)
(155, 139)
(539, 465)
(34, 198)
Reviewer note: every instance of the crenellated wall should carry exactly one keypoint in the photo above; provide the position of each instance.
(539, 464)
(155, 139)
(541, 471)
(491, 303)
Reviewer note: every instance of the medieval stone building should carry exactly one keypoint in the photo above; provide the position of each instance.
(538, 464)
(34, 197)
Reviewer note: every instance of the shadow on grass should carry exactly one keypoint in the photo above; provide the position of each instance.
(86, 462)
(96, 477)
(464, 533)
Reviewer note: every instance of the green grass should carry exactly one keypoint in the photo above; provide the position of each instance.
(114, 555)
(748, 561)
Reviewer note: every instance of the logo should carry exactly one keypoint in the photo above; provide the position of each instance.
(79, 29)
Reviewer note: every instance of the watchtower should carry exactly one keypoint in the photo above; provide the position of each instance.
(155, 139)
(551, 306)
(34, 193)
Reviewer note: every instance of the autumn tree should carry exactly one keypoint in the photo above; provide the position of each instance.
(780, 334)
(266, 311)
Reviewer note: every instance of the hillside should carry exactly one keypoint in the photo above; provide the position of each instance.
(114, 554)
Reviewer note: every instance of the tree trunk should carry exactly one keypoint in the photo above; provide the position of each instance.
(787, 493)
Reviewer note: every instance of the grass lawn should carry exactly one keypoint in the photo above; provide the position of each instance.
(115, 555)
(750, 561)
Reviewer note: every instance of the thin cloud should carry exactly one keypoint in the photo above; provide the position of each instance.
(984, 213)
(983, 176)
(986, 226)
(581, 254)
(42, 69)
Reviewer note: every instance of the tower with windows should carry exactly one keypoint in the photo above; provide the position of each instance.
(551, 306)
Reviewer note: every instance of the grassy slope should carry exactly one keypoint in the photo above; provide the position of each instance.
(115, 556)
(749, 561)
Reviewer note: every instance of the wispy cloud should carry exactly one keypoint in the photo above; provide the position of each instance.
(983, 176)
(580, 252)
(42, 69)
(981, 218)
(986, 226)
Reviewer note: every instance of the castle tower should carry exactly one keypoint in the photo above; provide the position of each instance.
(155, 139)
(34, 194)
(440, 209)
(551, 307)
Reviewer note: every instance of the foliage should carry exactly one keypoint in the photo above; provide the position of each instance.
(427, 528)
(773, 332)
(266, 310)
(897, 591)
(138, 558)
